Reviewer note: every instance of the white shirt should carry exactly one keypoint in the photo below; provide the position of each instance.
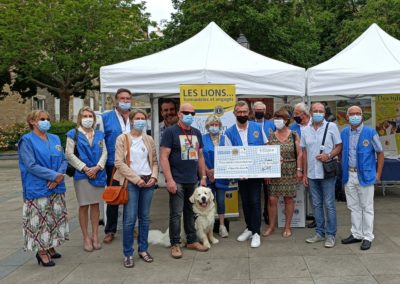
(139, 157)
(125, 128)
(243, 136)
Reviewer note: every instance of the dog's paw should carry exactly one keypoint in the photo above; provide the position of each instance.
(207, 245)
(215, 241)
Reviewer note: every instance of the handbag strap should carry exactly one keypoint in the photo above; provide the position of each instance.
(294, 144)
(76, 142)
(128, 162)
(323, 139)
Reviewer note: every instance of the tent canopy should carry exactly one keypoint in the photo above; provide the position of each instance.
(370, 65)
(211, 56)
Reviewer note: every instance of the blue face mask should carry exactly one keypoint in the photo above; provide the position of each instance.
(214, 129)
(187, 119)
(355, 120)
(124, 106)
(139, 124)
(318, 117)
(44, 125)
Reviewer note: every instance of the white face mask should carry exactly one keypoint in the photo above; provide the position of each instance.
(279, 123)
(87, 122)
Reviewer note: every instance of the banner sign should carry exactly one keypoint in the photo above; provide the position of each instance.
(388, 123)
(210, 99)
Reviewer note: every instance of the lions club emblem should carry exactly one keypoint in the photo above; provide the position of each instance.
(58, 148)
(365, 143)
(256, 134)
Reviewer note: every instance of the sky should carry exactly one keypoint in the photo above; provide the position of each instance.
(159, 9)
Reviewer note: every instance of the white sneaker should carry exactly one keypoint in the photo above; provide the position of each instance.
(244, 236)
(255, 241)
(223, 232)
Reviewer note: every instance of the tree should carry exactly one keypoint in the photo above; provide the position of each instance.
(300, 32)
(60, 45)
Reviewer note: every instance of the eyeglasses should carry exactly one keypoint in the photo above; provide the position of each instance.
(189, 112)
(43, 119)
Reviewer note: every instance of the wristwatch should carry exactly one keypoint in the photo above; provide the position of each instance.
(300, 169)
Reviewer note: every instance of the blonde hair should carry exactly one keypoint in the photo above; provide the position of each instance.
(80, 114)
(135, 111)
(34, 115)
(212, 119)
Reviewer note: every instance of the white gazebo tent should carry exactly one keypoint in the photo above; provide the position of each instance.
(210, 56)
(368, 66)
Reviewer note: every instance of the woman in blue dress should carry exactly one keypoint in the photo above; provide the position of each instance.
(42, 164)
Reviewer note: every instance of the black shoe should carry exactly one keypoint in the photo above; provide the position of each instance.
(310, 218)
(365, 245)
(312, 224)
(53, 254)
(49, 262)
(350, 240)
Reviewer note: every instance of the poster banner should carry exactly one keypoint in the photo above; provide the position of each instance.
(210, 99)
(388, 123)
(299, 213)
(218, 99)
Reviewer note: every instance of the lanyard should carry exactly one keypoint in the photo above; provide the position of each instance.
(187, 137)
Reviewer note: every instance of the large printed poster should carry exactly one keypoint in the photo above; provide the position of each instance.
(388, 123)
(210, 99)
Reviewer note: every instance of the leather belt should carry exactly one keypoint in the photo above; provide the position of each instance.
(352, 169)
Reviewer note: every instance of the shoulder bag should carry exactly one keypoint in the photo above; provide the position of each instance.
(118, 194)
(331, 167)
(70, 169)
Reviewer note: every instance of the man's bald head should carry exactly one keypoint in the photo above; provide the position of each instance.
(354, 110)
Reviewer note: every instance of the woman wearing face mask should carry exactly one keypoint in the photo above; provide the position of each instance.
(211, 139)
(43, 164)
(291, 172)
(142, 176)
(90, 176)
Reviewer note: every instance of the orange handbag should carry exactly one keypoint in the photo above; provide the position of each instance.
(118, 194)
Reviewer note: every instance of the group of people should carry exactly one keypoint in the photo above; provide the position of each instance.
(117, 150)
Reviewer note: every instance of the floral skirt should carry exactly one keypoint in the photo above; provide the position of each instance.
(45, 222)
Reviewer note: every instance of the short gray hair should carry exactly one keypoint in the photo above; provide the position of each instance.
(303, 107)
(240, 104)
(259, 104)
(212, 119)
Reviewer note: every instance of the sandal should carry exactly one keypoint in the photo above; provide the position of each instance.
(268, 232)
(146, 257)
(287, 233)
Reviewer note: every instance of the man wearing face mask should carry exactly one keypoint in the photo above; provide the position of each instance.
(322, 189)
(114, 123)
(361, 146)
(248, 133)
(260, 109)
(301, 116)
(182, 162)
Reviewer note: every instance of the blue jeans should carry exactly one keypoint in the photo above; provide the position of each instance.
(138, 206)
(219, 195)
(322, 193)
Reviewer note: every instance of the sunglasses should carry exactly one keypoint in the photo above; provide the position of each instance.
(189, 112)
(43, 119)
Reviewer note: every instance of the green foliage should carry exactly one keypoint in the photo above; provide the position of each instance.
(61, 45)
(61, 128)
(10, 135)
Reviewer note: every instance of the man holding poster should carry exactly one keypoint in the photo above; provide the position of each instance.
(248, 133)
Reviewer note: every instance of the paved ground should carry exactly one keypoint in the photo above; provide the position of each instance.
(276, 261)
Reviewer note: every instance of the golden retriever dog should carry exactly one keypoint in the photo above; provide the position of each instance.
(204, 210)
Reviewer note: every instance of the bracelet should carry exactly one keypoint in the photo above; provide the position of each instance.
(205, 177)
(300, 169)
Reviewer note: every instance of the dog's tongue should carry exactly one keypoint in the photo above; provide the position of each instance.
(203, 204)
